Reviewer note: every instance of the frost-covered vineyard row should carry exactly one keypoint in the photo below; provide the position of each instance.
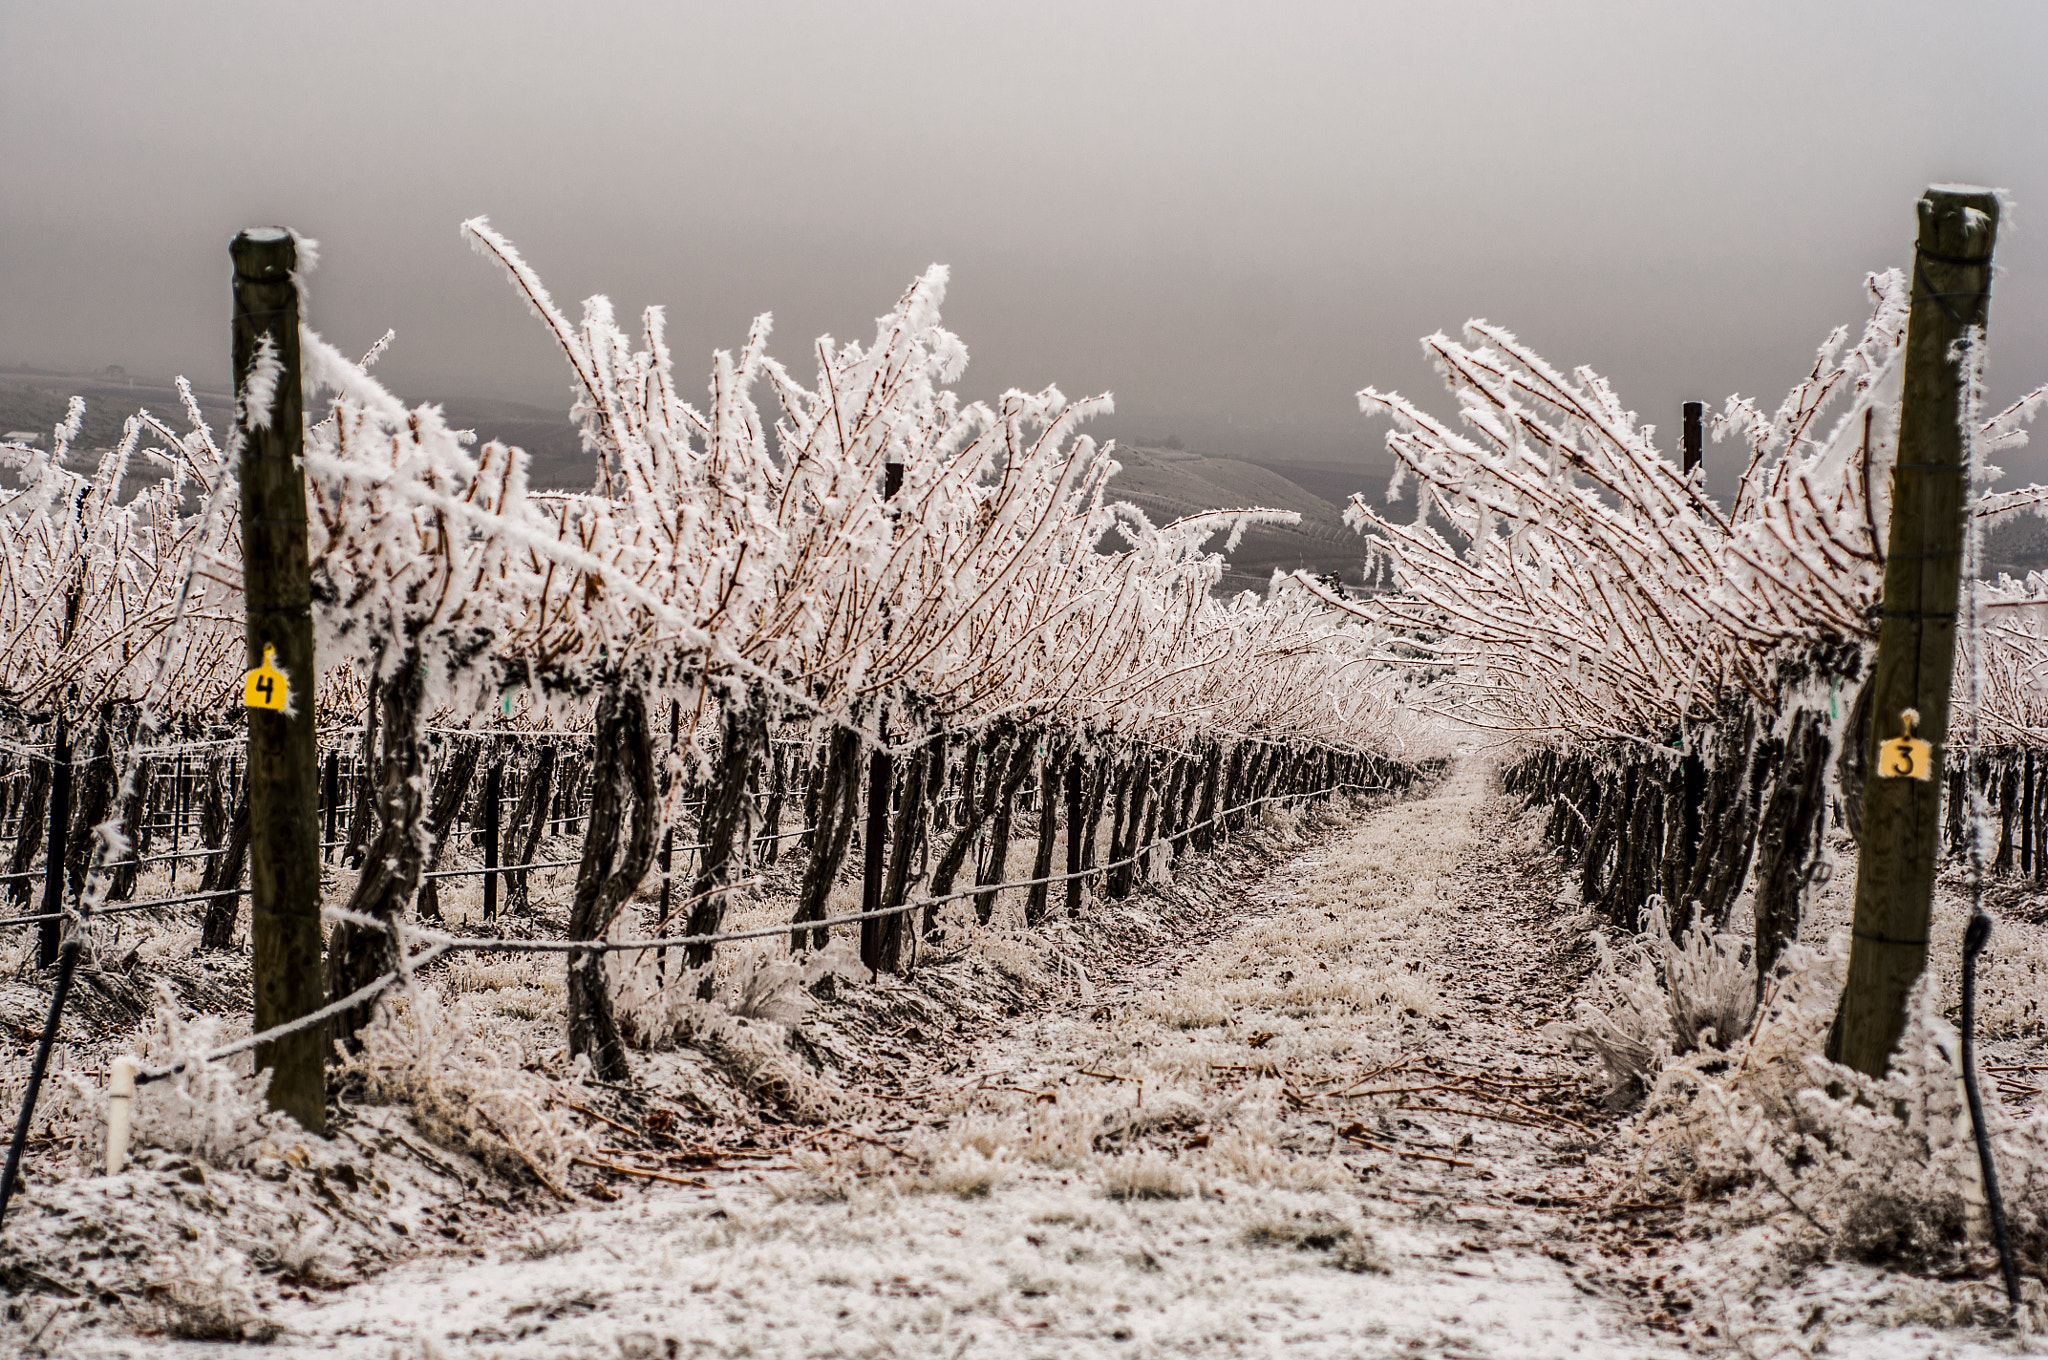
(671, 705)
(1679, 675)
(1687, 692)
(889, 605)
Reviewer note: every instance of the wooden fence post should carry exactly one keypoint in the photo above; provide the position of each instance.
(1916, 648)
(51, 932)
(881, 780)
(330, 797)
(1695, 413)
(494, 792)
(1075, 778)
(874, 850)
(284, 760)
(177, 817)
(667, 860)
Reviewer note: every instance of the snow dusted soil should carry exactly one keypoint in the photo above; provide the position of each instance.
(1317, 1118)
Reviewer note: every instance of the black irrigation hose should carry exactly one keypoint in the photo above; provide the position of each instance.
(67, 964)
(1975, 937)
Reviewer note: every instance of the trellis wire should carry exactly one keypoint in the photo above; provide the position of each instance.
(440, 943)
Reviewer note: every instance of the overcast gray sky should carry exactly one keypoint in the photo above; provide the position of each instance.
(1231, 216)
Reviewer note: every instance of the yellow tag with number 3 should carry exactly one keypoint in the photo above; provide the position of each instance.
(1905, 756)
(266, 686)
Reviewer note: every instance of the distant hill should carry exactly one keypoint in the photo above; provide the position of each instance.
(33, 400)
(2016, 545)
(1336, 482)
(554, 450)
(1170, 483)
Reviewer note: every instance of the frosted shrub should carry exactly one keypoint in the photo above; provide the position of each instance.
(657, 1007)
(309, 1256)
(765, 987)
(984, 1134)
(485, 973)
(1059, 1133)
(1301, 1228)
(202, 1291)
(207, 1111)
(1145, 1175)
(1655, 997)
(651, 1002)
(1880, 1168)
(1627, 1024)
(1894, 1162)
(1711, 1117)
(211, 1110)
(2012, 1001)
(1019, 954)
(164, 943)
(758, 1058)
(970, 1174)
(524, 986)
(1283, 819)
(1709, 981)
(745, 1027)
(1186, 1008)
(1361, 1256)
(466, 1092)
(1252, 1154)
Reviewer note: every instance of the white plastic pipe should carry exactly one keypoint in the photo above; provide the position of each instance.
(120, 1113)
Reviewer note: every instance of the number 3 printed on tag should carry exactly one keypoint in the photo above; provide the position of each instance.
(1906, 756)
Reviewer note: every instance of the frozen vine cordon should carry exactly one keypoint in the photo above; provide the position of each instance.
(1598, 590)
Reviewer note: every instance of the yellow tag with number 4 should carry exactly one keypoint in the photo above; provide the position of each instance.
(1906, 756)
(266, 686)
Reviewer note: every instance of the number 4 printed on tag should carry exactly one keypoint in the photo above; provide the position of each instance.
(266, 686)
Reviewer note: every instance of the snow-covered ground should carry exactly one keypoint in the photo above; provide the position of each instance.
(1321, 1119)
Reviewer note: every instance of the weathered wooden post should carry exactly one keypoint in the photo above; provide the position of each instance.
(1695, 424)
(881, 779)
(874, 859)
(667, 860)
(330, 799)
(51, 932)
(1909, 709)
(494, 792)
(178, 799)
(284, 760)
(1075, 767)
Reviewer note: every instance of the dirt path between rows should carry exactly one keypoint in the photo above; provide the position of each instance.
(1325, 1123)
